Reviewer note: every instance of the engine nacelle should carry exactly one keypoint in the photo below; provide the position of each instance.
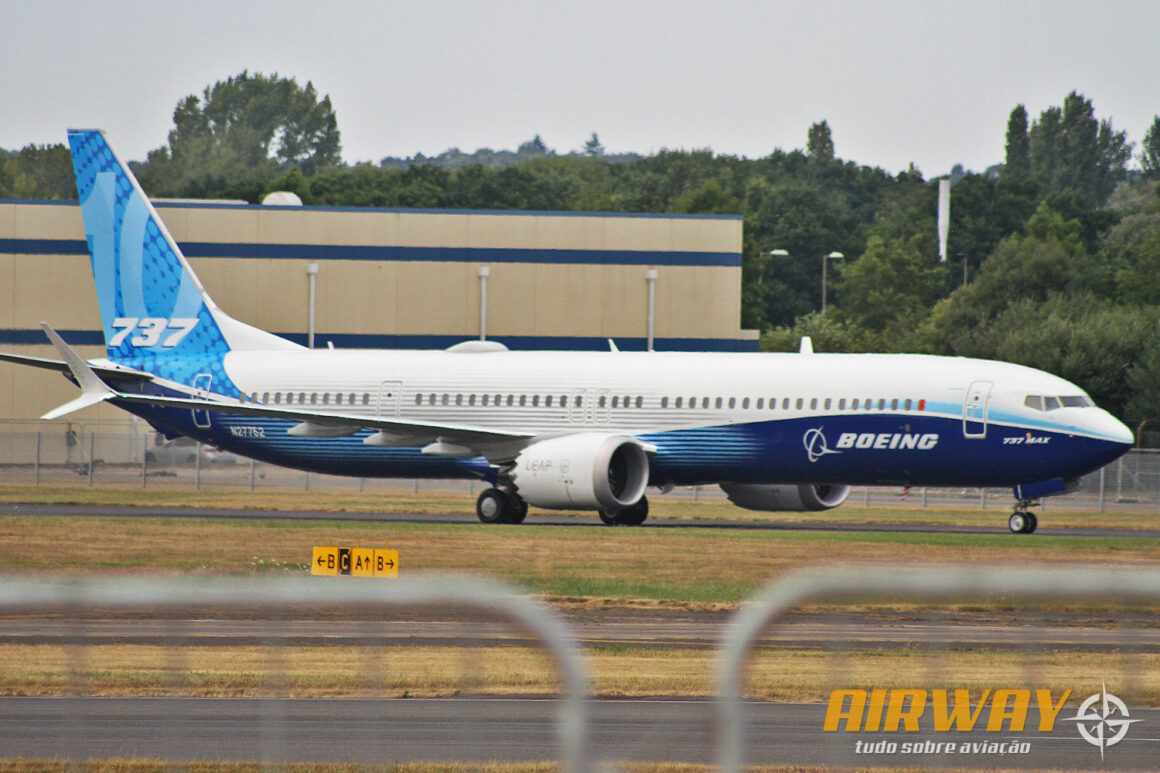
(586, 470)
(788, 497)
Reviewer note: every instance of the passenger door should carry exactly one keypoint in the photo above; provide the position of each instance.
(976, 405)
(389, 392)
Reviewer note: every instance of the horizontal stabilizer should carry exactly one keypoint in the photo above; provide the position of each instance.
(60, 366)
(86, 400)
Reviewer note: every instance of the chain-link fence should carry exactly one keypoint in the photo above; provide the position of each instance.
(131, 453)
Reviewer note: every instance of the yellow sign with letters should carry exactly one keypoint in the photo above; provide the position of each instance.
(330, 561)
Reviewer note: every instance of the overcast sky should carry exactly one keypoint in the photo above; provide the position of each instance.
(928, 81)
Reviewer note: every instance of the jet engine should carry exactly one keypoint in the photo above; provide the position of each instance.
(587, 470)
(786, 497)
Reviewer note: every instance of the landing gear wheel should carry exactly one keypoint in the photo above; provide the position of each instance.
(1022, 522)
(629, 516)
(491, 506)
(1017, 523)
(519, 509)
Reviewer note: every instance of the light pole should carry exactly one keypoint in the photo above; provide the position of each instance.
(825, 261)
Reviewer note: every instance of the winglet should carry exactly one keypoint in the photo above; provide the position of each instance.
(807, 345)
(93, 390)
(612, 347)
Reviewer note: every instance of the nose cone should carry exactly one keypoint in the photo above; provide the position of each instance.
(1116, 431)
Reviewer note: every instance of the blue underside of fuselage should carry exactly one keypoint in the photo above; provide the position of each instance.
(770, 451)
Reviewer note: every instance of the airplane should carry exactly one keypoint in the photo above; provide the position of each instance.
(556, 429)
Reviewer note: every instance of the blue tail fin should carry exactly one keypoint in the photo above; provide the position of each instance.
(154, 310)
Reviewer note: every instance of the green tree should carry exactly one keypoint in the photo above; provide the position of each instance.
(820, 142)
(239, 132)
(593, 147)
(1018, 164)
(1050, 257)
(1074, 153)
(39, 172)
(1150, 151)
(891, 287)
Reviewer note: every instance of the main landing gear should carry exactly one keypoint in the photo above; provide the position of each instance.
(629, 516)
(1023, 521)
(498, 506)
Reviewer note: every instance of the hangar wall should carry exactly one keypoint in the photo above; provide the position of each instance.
(390, 278)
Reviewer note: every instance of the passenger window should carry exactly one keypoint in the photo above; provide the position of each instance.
(535, 401)
(366, 398)
(471, 399)
(510, 400)
(906, 405)
(842, 404)
(705, 403)
(446, 399)
(881, 404)
(639, 401)
(894, 404)
(265, 397)
(615, 401)
(326, 398)
(602, 401)
(418, 399)
(665, 402)
(854, 404)
(718, 403)
(800, 403)
(338, 399)
(761, 403)
(679, 399)
(813, 404)
(785, 404)
(314, 398)
(1051, 403)
(827, 405)
(430, 399)
(745, 404)
(548, 401)
(523, 400)
(732, 403)
(459, 399)
(483, 400)
(277, 398)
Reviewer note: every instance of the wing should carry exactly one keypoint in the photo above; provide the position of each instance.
(104, 371)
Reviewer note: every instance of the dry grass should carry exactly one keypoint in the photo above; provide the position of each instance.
(777, 674)
(683, 566)
(904, 511)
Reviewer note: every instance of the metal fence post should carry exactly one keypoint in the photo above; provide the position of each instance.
(983, 497)
(36, 462)
(92, 444)
(924, 493)
(253, 471)
(1103, 476)
(308, 480)
(866, 497)
(1120, 479)
(197, 467)
(144, 467)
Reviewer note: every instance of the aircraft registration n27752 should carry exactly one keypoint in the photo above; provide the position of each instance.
(554, 429)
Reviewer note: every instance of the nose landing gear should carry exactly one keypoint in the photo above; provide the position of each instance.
(1023, 521)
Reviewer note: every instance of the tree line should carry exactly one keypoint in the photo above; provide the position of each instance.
(1059, 241)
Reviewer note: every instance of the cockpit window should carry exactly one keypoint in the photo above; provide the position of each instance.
(1075, 401)
(1034, 401)
(1040, 403)
(1050, 403)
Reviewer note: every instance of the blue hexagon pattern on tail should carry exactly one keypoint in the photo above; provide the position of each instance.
(155, 313)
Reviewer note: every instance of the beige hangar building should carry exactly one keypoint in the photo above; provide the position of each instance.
(389, 278)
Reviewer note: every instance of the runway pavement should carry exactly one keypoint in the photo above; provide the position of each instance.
(541, 520)
(667, 631)
(374, 731)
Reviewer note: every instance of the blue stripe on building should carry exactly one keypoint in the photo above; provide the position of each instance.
(408, 210)
(397, 253)
(31, 337)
